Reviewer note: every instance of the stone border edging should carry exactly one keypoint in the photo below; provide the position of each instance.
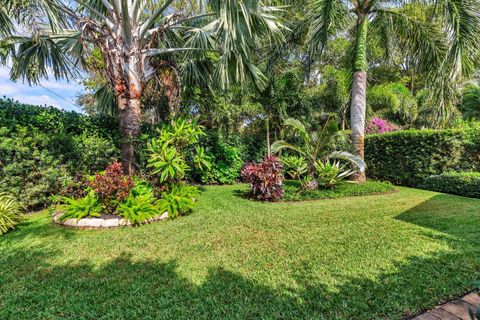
(99, 223)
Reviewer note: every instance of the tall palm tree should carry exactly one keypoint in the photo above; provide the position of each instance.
(131, 33)
(444, 46)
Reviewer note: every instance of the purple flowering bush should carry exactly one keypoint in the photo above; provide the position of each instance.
(377, 125)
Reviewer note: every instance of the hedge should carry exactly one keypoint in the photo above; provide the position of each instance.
(43, 149)
(465, 184)
(409, 157)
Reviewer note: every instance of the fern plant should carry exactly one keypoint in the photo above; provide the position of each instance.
(10, 210)
(178, 200)
(88, 206)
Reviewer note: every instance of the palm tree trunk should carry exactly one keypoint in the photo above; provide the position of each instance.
(359, 89)
(130, 128)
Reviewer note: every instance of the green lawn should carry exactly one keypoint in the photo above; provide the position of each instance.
(295, 192)
(371, 257)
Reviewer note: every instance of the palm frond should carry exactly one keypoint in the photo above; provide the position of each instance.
(355, 160)
(280, 145)
(327, 18)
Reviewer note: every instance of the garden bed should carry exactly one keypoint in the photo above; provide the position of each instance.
(105, 221)
(294, 192)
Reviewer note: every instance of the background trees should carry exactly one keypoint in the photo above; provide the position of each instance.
(421, 60)
(136, 37)
(444, 47)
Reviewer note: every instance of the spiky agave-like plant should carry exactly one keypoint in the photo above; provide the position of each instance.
(10, 210)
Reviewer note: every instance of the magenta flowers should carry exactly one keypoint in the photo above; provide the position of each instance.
(377, 125)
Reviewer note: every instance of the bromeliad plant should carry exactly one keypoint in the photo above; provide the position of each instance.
(294, 167)
(331, 174)
(318, 148)
(10, 210)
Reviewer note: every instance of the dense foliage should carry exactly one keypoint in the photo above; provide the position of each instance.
(408, 157)
(265, 179)
(43, 149)
(465, 184)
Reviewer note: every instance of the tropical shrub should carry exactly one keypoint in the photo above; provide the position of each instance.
(166, 162)
(265, 179)
(226, 159)
(10, 210)
(377, 125)
(175, 152)
(140, 205)
(88, 206)
(317, 146)
(75, 187)
(330, 175)
(179, 200)
(470, 105)
(465, 184)
(112, 186)
(294, 167)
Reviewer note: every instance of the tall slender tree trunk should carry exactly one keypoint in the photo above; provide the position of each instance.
(130, 112)
(359, 89)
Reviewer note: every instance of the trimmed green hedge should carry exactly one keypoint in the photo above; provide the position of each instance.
(465, 184)
(409, 157)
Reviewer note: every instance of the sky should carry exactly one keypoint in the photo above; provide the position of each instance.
(36, 95)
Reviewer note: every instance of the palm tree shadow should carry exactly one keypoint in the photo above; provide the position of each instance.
(36, 283)
(443, 213)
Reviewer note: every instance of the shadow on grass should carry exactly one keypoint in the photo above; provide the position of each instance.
(453, 215)
(32, 286)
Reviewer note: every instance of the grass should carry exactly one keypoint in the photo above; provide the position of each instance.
(294, 191)
(373, 257)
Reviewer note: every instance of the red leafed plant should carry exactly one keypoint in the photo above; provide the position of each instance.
(265, 179)
(112, 186)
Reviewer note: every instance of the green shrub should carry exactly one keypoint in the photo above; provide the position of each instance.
(82, 207)
(42, 149)
(408, 157)
(10, 210)
(465, 184)
(226, 159)
(178, 200)
(173, 152)
(140, 204)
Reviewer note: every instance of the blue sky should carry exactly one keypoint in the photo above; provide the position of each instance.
(39, 96)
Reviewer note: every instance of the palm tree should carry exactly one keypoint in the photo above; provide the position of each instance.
(444, 45)
(316, 146)
(132, 34)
